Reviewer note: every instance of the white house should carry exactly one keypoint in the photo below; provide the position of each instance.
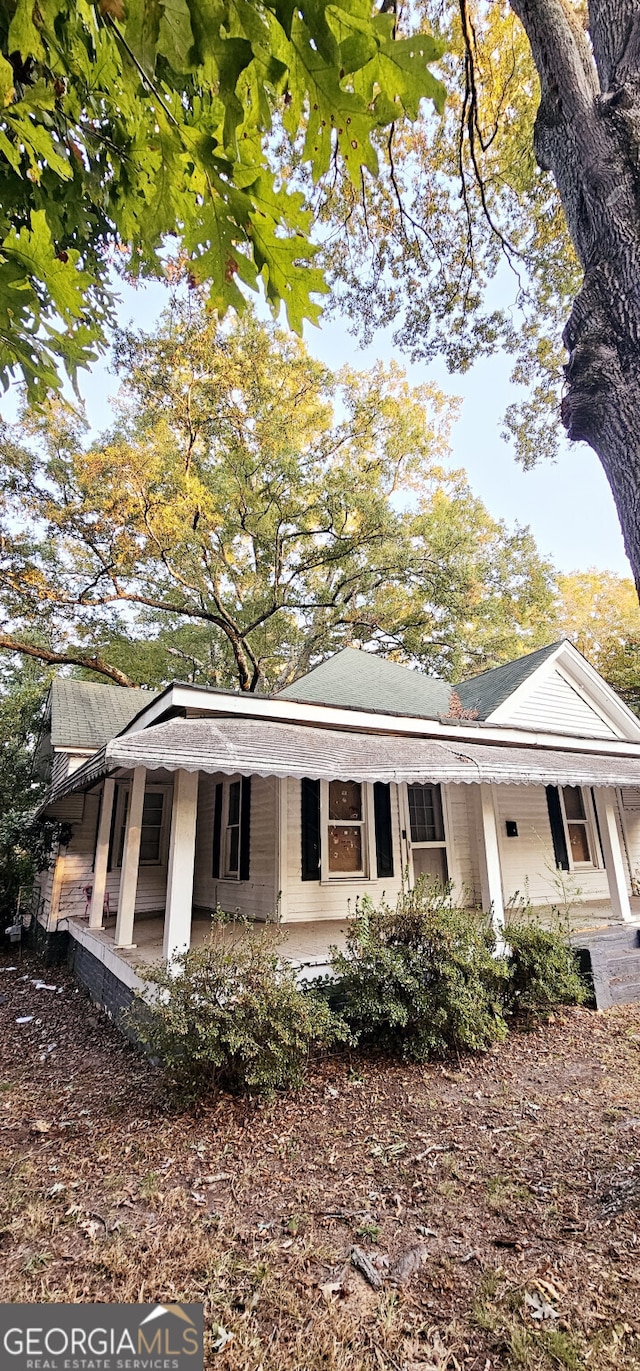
(355, 779)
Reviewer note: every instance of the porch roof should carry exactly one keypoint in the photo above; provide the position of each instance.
(265, 748)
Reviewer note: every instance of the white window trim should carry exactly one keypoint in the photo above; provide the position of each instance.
(367, 823)
(440, 845)
(232, 877)
(124, 788)
(592, 831)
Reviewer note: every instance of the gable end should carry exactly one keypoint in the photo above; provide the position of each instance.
(555, 705)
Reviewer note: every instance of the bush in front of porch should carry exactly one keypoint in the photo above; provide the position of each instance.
(421, 980)
(543, 970)
(229, 1014)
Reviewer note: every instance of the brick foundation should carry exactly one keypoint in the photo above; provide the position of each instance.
(105, 988)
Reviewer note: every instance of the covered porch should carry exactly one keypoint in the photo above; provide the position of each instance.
(496, 825)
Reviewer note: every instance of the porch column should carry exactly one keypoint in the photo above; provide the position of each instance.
(102, 855)
(182, 851)
(490, 874)
(613, 859)
(282, 849)
(130, 860)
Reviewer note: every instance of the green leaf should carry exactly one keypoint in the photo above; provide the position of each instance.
(175, 38)
(142, 30)
(23, 35)
(7, 88)
(34, 250)
(357, 42)
(401, 69)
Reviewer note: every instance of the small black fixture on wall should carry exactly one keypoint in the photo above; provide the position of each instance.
(512, 828)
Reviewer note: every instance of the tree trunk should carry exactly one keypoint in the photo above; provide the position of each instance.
(588, 135)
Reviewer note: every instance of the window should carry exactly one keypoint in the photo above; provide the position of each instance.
(578, 826)
(345, 834)
(426, 830)
(232, 833)
(425, 814)
(152, 817)
(152, 831)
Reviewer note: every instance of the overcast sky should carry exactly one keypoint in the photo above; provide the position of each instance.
(568, 505)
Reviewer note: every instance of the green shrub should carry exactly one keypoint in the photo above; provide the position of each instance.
(542, 970)
(422, 979)
(230, 1015)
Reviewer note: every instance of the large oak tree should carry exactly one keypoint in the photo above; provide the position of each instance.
(249, 513)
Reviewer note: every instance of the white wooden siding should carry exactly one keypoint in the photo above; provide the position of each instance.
(334, 899)
(528, 862)
(69, 809)
(75, 867)
(75, 862)
(257, 897)
(462, 851)
(554, 705)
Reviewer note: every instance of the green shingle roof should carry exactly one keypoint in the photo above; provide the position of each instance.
(86, 714)
(490, 689)
(358, 680)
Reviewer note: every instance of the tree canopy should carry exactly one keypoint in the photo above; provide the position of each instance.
(127, 122)
(461, 244)
(599, 613)
(250, 512)
(532, 177)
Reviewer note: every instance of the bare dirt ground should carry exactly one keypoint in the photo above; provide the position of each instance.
(497, 1200)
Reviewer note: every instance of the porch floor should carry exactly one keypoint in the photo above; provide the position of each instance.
(306, 944)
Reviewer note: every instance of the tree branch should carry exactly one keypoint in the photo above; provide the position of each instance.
(72, 658)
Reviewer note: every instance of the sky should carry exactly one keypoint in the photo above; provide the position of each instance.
(567, 505)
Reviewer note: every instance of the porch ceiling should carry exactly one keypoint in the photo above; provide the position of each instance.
(255, 747)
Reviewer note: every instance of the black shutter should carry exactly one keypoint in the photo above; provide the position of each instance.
(310, 801)
(557, 828)
(217, 830)
(112, 829)
(245, 828)
(384, 836)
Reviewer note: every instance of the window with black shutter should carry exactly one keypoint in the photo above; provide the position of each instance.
(231, 842)
(556, 821)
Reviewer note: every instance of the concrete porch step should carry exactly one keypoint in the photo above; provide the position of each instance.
(610, 959)
(627, 993)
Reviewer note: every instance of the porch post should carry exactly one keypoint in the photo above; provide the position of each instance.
(102, 855)
(182, 851)
(282, 849)
(130, 861)
(490, 874)
(613, 859)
